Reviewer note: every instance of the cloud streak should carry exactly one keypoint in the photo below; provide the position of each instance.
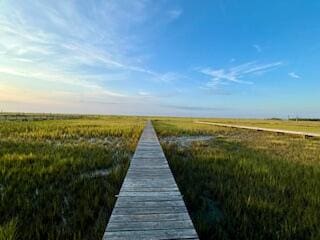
(77, 48)
(257, 47)
(175, 13)
(294, 75)
(193, 108)
(225, 76)
(60, 36)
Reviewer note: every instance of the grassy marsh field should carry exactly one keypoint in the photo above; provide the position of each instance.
(58, 178)
(302, 126)
(244, 184)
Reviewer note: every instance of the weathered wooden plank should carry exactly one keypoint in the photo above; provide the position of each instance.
(151, 235)
(149, 204)
(137, 167)
(147, 175)
(150, 156)
(149, 194)
(148, 148)
(148, 189)
(141, 161)
(128, 203)
(153, 171)
(149, 217)
(127, 226)
(149, 171)
(156, 178)
(150, 181)
(149, 210)
(146, 163)
(146, 178)
(145, 187)
(152, 198)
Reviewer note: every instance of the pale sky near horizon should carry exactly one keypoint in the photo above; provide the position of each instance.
(213, 58)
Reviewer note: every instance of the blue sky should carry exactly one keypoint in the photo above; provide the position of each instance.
(215, 58)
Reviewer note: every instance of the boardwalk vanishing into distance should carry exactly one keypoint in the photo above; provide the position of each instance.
(149, 205)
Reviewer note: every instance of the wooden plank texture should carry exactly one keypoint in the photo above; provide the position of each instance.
(149, 204)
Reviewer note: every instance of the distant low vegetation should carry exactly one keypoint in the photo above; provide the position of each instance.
(244, 184)
(274, 118)
(304, 119)
(40, 116)
(59, 178)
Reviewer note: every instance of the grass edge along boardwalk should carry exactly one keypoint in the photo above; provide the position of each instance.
(149, 205)
(304, 134)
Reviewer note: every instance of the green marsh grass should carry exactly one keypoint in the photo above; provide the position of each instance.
(8, 230)
(302, 126)
(48, 185)
(246, 184)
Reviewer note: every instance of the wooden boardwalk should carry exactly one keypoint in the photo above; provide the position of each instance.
(149, 205)
(304, 134)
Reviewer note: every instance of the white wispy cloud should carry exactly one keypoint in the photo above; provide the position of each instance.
(294, 75)
(225, 76)
(170, 77)
(257, 47)
(77, 48)
(193, 108)
(175, 13)
(144, 94)
(70, 38)
(69, 80)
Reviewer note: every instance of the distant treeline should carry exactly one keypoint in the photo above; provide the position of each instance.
(304, 119)
(38, 116)
(275, 119)
(295, 119)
